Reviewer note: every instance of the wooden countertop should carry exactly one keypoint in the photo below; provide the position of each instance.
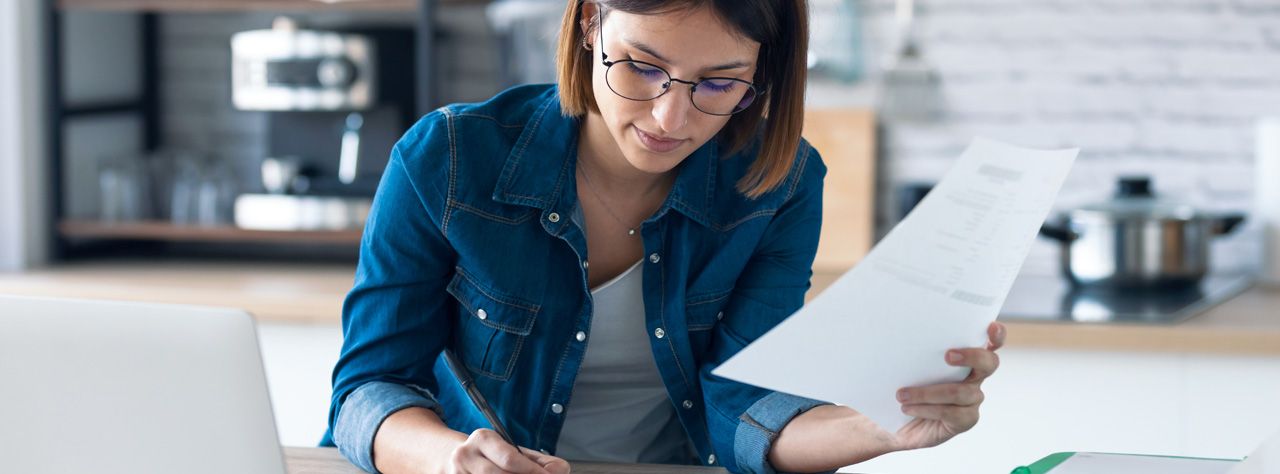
(328, 461)
(1246, 324)
(289, 292)
(313, 293)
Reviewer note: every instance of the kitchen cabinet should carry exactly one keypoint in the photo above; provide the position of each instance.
(1048, 400)
(1230, 403)
(846, 140)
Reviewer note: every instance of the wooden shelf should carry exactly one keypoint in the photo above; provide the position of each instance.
(210, 6)
(165, 231)
(238, 5)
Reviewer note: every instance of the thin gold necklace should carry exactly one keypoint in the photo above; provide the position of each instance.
(631, 230)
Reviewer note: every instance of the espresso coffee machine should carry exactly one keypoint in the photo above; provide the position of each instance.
(336, 102)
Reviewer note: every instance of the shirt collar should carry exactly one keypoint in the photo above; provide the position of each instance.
(539, 172)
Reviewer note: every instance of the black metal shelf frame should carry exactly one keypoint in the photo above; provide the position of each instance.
(147, 104)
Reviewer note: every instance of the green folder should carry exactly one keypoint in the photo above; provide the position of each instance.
(1046, 464)
(1043, 465)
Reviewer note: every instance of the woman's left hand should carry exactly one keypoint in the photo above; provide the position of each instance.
(945, 410)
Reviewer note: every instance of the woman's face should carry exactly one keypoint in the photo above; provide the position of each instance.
(658, 134)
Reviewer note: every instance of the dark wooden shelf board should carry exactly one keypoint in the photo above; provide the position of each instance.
(164, 231)
(238, 5)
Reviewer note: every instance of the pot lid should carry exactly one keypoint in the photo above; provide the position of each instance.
(1134, 199)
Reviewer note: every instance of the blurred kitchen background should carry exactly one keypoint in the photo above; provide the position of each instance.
(225, 152)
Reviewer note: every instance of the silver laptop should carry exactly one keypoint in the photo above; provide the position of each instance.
(112, 387)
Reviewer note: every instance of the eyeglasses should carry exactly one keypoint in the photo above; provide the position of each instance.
(642, 81)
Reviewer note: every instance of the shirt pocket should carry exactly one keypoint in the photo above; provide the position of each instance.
(492, 326)
(704, 310)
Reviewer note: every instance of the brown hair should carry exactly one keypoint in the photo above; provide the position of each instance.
(782, 29)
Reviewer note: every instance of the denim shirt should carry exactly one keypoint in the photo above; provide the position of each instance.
(471, 245)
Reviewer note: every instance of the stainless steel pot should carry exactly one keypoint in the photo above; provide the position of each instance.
(1136, 239)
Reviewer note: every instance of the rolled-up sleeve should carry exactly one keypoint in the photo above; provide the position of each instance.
(364, 411)
(397, 317)
(760, 425)
(745, 420)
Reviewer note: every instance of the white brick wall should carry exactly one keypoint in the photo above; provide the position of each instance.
(1170, 88)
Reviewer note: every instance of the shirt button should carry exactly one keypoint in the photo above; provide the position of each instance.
(659, 333)
(654, 258)
(482, 314)
(720, 315)
(557, 408)
(581, 336)
(585, 264)
(553, 217)
(687, 404)
(711, 459)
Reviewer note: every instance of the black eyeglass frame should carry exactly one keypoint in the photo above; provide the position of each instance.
(666, 86)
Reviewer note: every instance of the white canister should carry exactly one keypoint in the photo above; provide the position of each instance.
(1267, 196)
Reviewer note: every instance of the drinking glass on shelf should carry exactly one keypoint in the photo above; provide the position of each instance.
(185, 188)
(216, 193)
(123, 187)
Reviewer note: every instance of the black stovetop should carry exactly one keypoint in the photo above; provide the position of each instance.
(1054, 299)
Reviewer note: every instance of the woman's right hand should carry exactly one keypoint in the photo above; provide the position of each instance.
(485, 452)
(416, 441)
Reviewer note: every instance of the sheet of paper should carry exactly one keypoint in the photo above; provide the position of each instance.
(1264, 460)
(933, 283)
(1100, 463)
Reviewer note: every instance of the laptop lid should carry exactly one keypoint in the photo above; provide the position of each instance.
(115, 387)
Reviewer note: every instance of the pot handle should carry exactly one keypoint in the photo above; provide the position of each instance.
(1225, 224)
(1060, 234)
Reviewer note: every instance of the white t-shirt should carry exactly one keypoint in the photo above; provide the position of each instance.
(619, 410)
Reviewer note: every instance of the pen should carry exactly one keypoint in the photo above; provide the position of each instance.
(469, 385)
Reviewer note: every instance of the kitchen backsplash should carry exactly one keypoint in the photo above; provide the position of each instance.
(1170, 88)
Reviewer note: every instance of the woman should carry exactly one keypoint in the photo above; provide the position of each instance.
(591, 251)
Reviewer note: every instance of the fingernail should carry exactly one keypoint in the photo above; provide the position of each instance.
(903, 396)
(954, 356)
(1000, 332)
